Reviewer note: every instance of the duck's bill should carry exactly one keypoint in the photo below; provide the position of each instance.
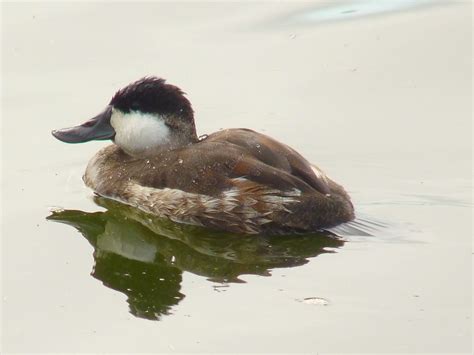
(97, 128)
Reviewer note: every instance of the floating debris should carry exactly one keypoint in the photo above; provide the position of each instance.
(318, 301)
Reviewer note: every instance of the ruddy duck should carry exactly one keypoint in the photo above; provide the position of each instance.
(235, 180)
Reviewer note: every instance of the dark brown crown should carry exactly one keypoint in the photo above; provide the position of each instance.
(153, 95)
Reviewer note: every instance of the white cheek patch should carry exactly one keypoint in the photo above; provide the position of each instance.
(137, 132)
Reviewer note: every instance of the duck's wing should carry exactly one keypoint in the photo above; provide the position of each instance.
(211, 167)
(264, 157)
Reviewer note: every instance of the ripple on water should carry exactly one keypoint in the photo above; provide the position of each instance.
(353, 9)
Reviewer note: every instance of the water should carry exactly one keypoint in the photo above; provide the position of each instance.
(348, 10)
(382, 104)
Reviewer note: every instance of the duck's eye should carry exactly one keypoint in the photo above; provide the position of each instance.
(134, 106)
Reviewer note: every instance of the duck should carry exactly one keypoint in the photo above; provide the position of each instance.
(235, 180)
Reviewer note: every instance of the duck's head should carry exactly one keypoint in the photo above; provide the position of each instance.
(143, 118)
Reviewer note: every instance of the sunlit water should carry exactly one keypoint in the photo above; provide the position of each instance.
(382, 104)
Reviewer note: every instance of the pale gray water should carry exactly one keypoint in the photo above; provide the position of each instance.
(382, 103)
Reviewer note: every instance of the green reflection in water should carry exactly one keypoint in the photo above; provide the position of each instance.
(144, 256)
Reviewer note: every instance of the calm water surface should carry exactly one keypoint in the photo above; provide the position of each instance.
(378, 96)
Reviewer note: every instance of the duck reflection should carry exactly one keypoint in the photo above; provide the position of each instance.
(144, 256)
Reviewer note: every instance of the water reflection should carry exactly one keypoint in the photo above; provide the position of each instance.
(143, 256)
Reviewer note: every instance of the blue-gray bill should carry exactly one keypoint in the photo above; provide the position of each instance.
(97, 128)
